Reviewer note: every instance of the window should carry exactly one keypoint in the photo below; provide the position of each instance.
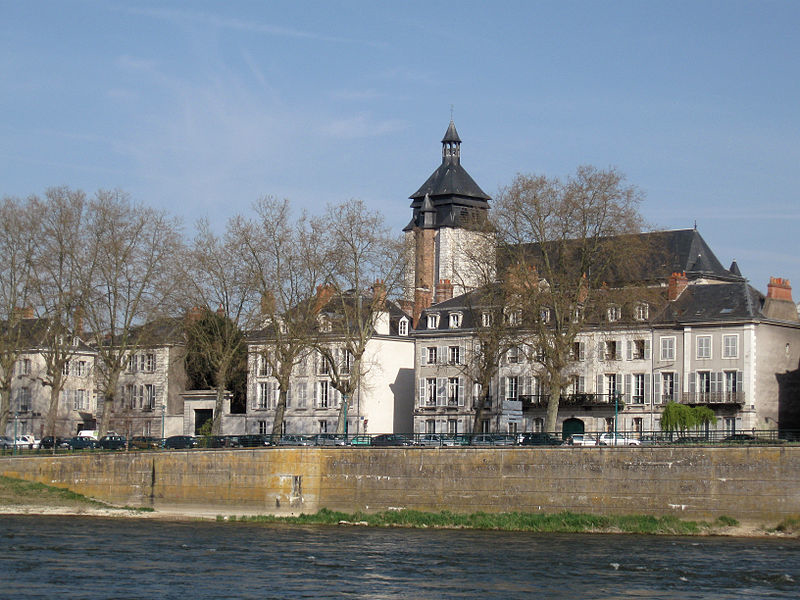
(703, 383)
(430, 391)
(452, 426)
(138, 396)
(433, 321)
(262, 427)
(638, 350)
(455, 320)
(730, 346)
(611, 387)
(667, 348)
(150, 362)
(544, 315)
(703, 347)
(80, 400)
(538, 424)
(512, 388)
(65, 368)
(430, 426)
(637, 393)
(486, 319)
(302, 365)
(323, 427)
(514, 317)
(347, 361)
(577, 315)
(302, 394)
(638, 425)
(402, 327)
(324, 365)
(454, 355)
(610, 351)
(263, 366)
(432, 355)
(263, 395)
(322, 399)
(733, 385)
(668, 387)
(132, 363)
(81, 368)
(512, 355)
(641, 312)
(23, 399)
(454, 392)
(614, 313)
(24, 366)
(149, 397)
(578, 351)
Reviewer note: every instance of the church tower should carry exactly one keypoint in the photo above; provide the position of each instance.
(449, 215)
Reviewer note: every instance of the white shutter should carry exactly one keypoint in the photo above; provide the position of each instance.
(630, 350)
(692, 383)
(600, 384)
(582, 350)
(600, 351)
(441, 356)
(739, 381)
(423, 356)
(314, 387)
(581, 384)
(656, 388)
(647, 349)
(421, 391)
(646, 389)
(460, 391)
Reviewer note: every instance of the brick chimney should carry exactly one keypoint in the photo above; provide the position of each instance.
(422, 300)
(444, 291)
(220, 310)
(24, 313)
(677, 283)
(78, 322)
(407, 306)
(194, 314)
(379, 294)
(324, 294)
(778, 303)
(779, 289)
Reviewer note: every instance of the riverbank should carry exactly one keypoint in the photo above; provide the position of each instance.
(18, 497)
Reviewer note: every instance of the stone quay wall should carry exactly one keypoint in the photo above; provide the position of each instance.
(747, 483)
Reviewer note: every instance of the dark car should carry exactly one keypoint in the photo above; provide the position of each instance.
(331, 439)
(6, 442)
(112, 442)
(493, 439)
(180, 442)
(255, 440)
(294, 439)
(47, 442)
(218, 441)
(392, 439)
(81, 443)
(539, 439)
(141, 442)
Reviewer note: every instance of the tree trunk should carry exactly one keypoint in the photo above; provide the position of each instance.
(108, 405)
(52, 413)
(216, 424)
(5, 409)
(280, 411)
(553, 402)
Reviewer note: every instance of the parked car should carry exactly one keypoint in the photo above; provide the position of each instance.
(331, 439)
(112, 442)
(140, 442)
(392, 439)
(581, 439)
(493, 439)
(254, 440)
(180, 442)
(747, 438)
(81, 443)
(436, 439)
(6, 443)
(539, 439)
(297, 440)
(218, 441)
(47, 442)
(361, 440)
(618, 439)
(27, 441)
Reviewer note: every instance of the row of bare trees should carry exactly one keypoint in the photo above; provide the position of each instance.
(93, 270)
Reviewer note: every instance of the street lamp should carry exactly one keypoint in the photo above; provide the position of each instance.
(16, 418)
(163, 409)
(616, 412)
(344, 399)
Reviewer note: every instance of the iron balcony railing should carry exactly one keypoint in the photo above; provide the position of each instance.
(712, 398)
(580, 399)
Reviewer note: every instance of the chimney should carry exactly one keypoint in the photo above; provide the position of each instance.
(267, 304)
(407, 306)
(444, 291)
(677, 283)
(24, 313)
(779, 289)
(220, 310)
(379, 294)
(324, 294)
(194, 314)
(78, 322)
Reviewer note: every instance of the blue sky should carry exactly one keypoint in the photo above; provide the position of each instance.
(202, 107)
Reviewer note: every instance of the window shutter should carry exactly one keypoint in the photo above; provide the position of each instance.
(526, 386)
(581, 384)
(630, 349)
(647, 349)
(739, 387)
(441, 355)
(600, 384)
(716, 381)
(656, 387)
(692, 383)
(601, 350)
(647, 398)
(460, 391)
(314, 386)
(503, 387)
(421, 391)
(676, 385)
(582, 350)
(423, 356)
(628, 386)
(289, 395)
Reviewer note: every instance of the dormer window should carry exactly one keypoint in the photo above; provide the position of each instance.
(514, 317)
(486, 319)
(433, 321)
(455, 320)
(402, 327)
(544, 315)
(614, 313)
(642, 311)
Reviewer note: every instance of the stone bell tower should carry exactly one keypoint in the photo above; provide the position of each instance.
(448, 223)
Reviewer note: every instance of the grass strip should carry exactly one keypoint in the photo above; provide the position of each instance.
(562, 522)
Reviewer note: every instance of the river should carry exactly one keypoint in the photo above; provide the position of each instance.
(92, 558)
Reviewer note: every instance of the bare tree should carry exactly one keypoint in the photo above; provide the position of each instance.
(131, 277)
(217, 277)
(564, 245)
(363, 264)
(284, 256)
(18, 226)
(58, 289)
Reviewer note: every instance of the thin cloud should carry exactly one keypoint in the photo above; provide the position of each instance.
(183, 16)
(362, 126)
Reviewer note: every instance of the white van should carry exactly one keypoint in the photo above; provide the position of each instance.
(88, 433)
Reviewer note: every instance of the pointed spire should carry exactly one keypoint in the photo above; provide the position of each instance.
(734, 269)
(451, 145)
(428, 212)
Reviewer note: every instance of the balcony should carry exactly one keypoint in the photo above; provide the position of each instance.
(712, 398)
(581, 400)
